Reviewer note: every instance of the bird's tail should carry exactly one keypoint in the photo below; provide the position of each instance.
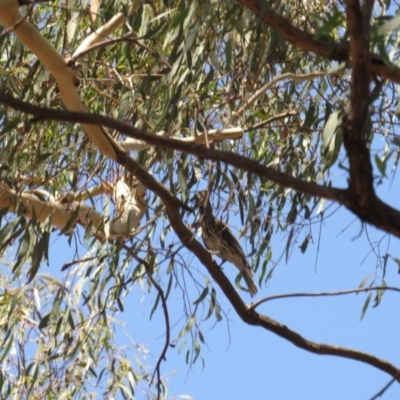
(248, 277)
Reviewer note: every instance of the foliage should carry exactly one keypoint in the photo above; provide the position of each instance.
(185, 67)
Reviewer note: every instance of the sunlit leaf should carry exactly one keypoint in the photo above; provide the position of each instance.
(365, 306)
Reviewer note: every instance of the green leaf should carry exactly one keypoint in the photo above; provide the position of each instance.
(213, 300)
(291, 233)
(158, 298)
(188, 327)
(209, 78)
(303, 246)
(71, 221)
(202, 296)
(379, 294)
(5, 350)
(397, 261)
(365, 307)
(364, 281)
(381, 164)
(333, 122)
(44, 322)
(9, 227)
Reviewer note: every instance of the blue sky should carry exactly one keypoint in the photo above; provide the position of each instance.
(249, 362)
(243, 362)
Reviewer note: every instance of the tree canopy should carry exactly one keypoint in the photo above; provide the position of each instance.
(115, 115)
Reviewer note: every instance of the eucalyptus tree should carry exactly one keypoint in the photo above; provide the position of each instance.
(116, 114)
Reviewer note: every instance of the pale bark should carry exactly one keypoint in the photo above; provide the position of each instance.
(67, 81)
(213, 135)
(101, 33)
(65, 76)
(67, 211)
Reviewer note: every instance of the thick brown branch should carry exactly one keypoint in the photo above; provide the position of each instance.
(247, 314)
(360, 64)
(186, 235)
(307, 42)
(360, 198)
(355, 123)
(203, 152)
(372, 211)
(320, 348)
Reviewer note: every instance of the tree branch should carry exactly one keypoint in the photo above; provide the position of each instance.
(201, 151)
(103, 31)
(166, 317)
(307, 42)
(322, 294)
(186, 236)
(271, 84)
(355, 123)
(247, 314)
(65, 76)
(253, 318)
(69, 211)
(374, 211)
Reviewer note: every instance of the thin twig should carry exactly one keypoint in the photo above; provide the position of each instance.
(251, 166)
(271, 119)
(383, 390)
(166, 316)
(125, 38)
(322, 294)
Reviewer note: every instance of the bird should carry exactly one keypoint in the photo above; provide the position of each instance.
(219, 239)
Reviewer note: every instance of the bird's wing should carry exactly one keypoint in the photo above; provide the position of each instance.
(230, 238)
